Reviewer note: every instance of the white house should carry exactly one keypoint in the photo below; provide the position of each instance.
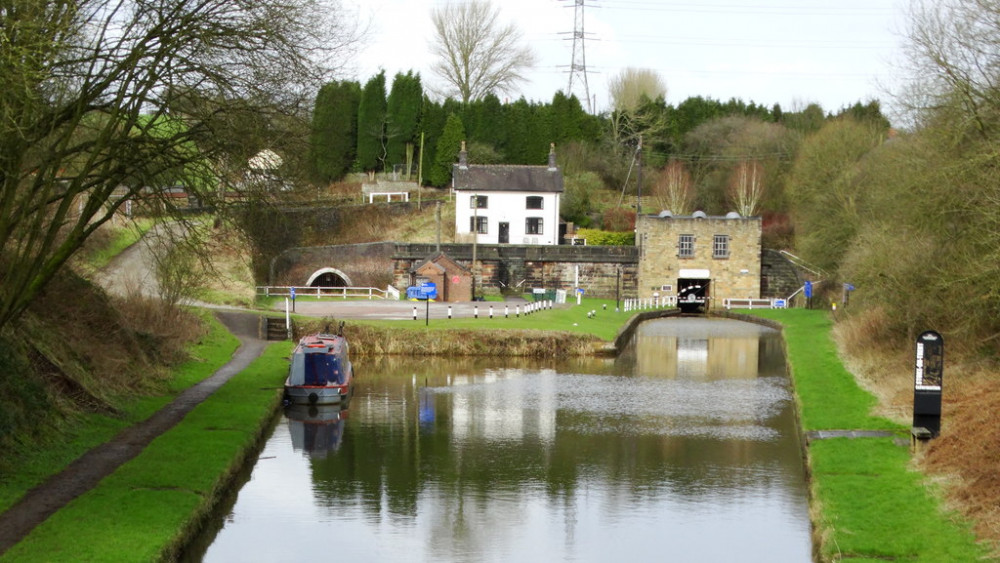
(507, 204)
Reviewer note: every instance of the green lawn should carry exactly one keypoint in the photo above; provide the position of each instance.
(605, 324)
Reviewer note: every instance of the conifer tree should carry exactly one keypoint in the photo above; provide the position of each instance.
(431, 125)
(371, 125)
(448, 146)
(403, 111)
(334, 135)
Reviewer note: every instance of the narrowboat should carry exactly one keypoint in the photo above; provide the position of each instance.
(320, 372)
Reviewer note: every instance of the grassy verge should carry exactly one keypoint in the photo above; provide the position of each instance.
(867, 504)
(87, 431)
(604, 325)
(146, 509)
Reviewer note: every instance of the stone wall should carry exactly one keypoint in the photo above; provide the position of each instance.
(736, 275)
(598, 270)
(779, 278)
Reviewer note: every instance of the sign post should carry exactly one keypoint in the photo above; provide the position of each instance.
(428, 291)
(928, 375)
(291, 292)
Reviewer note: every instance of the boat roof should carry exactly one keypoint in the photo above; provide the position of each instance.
(325, 342)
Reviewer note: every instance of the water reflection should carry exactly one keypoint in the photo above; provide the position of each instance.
(316, 430)
(684, 448)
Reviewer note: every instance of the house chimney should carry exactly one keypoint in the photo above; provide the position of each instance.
(463, 158)
(552, 157)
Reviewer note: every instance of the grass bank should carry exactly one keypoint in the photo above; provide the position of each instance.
(82, 432)
(867, 504)
(146, 510)
(562, 330)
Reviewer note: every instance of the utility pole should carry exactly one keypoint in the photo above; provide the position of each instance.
(578, 65)
(420, 172)
(638, 176)
(475, 239)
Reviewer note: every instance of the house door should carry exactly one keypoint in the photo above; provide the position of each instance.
(504, 233)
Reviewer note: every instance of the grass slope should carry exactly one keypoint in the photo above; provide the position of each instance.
(867, 504)
(85, 431)
(146, 509)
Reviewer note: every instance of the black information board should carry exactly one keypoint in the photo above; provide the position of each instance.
(928, 376)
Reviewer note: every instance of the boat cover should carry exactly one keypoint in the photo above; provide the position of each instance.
(315, 368)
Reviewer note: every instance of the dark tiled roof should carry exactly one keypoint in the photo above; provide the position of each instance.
(508, 178)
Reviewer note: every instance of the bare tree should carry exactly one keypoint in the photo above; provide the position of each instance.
(636, 97)
(673, 189)
(477, 54)
(954, 54)
(746, 188)
(631, 85)
(104, 102)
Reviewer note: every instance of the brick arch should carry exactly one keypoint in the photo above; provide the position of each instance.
(344, 278)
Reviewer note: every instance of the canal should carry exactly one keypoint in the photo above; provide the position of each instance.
(684, 448)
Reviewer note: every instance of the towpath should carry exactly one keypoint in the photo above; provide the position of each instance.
(84, 473)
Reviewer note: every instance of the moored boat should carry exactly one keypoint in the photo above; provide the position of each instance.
(321, 371)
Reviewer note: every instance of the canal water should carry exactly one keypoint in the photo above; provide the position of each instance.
(684, 448)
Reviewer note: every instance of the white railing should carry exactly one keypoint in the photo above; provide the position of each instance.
(747, 303)
(404, 196)
(335, 292)
(645, 303)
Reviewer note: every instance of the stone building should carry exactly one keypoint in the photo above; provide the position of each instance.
(712, 257)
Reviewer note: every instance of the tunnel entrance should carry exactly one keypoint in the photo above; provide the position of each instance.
(692, 294)
(329, 277)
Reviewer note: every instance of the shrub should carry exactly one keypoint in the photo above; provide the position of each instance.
(596, 237)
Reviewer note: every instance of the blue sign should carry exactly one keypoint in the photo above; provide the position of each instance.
(848, 287)
(422, 292)
(429, 290)
(808, 289)
(292, 291)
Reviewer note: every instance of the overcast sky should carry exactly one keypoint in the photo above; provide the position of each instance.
(792, 52)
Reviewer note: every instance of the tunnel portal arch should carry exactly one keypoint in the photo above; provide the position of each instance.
(329, 277)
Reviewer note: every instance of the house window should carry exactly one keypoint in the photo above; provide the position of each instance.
(720, 246)
(685, 248)
(478, 224)
(533, 202)
(478, 202)
(533, 226)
